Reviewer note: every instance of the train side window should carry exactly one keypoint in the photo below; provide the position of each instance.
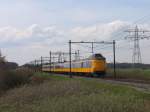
(82, 65)
(88, 64)
(85, 64)
(79, 65)
(66, 65)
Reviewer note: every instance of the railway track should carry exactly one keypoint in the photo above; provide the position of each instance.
(145, 87)
(139, 85)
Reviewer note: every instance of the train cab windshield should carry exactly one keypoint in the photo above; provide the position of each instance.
(97, 56)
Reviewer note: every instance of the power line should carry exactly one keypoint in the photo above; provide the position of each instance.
(136, 35)
(96, 42)
(141, 19)
(134, 23)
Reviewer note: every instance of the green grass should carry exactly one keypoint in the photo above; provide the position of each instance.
(140, 74)
(51, 76)
(62, 94)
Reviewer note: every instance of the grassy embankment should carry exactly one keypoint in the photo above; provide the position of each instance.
(139, 74)
(61, 94)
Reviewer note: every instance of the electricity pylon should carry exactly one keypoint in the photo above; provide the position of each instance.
(136, 35)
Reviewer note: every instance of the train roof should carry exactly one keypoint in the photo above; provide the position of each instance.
(97, 56)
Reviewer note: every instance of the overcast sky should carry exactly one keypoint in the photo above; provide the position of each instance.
(31, 28)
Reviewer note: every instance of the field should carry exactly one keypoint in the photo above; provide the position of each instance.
(62, 94)
(137, 74)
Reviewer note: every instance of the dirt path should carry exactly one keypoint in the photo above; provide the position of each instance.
(139, 86)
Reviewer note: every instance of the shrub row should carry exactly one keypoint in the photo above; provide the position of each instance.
(14, 78)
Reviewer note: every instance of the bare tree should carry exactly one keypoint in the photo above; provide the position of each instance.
(2, 58)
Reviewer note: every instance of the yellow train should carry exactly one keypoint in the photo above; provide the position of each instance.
(95, 65)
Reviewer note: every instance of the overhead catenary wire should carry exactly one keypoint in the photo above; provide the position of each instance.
(118, 40)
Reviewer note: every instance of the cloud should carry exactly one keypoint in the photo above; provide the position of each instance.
(98, 31)
(35, 41)
(30, 35)
(36, 33)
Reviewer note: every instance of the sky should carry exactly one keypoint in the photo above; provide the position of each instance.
(31, 28)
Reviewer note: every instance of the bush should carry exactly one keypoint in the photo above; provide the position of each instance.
(14, 78)
(8, 65)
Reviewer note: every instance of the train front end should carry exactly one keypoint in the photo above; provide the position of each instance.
(98, 65)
